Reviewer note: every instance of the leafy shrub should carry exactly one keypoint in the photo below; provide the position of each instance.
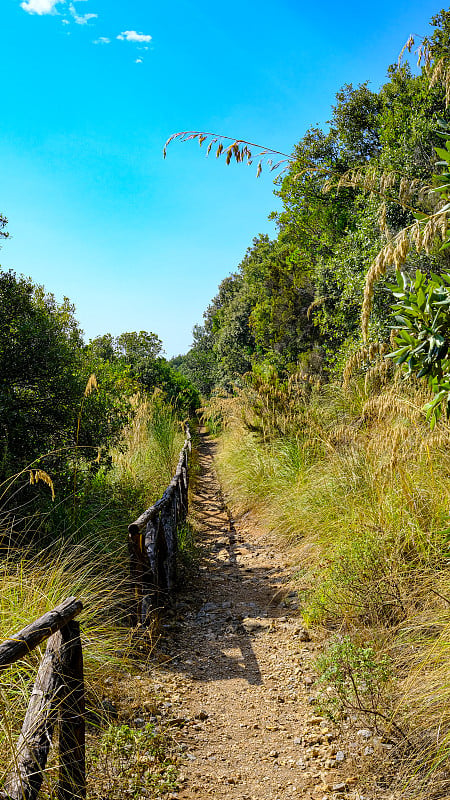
(358, 681)
(134, 762)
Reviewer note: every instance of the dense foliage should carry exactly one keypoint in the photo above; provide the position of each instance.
(349, 192)
(64, 404)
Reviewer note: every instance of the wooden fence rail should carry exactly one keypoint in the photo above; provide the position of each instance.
(57, 698)
(153, 542)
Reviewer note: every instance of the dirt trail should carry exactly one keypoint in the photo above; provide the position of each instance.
(239, 674)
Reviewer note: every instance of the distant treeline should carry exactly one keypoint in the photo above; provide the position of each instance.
(58, 393)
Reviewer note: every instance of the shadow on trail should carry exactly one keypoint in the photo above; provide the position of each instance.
(227, 604)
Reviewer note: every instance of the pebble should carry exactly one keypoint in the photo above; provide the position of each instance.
(364, 733)
(340, 756)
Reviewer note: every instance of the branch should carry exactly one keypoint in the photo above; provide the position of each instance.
(239, 149)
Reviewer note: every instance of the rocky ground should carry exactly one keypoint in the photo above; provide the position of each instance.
(236, 670)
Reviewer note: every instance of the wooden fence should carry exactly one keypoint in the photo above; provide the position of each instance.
(57, 698)
(153, 542)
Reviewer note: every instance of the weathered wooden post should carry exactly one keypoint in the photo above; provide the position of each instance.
(153, 541)
(37, 729)
(72, 758)
(58, 691)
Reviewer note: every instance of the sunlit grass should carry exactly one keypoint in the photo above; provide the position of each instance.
(89, 560)
(360, 487)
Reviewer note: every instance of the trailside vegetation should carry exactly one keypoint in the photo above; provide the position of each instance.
(350, 195)
(325, 356)
(90, 436)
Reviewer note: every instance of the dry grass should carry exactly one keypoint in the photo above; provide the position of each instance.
(146, 458)
(92, 564)
(361, 487)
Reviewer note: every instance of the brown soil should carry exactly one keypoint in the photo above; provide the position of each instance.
(238, 671)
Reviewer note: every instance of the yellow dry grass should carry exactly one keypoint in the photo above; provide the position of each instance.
(356, 481)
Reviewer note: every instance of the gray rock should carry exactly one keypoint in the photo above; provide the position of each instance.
(340, 756)
(364, 733)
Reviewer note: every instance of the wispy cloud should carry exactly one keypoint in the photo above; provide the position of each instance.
(81, 19)
(68, 9)
(40, 6)
(134, 36)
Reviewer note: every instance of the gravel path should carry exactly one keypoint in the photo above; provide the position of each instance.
(239, 672)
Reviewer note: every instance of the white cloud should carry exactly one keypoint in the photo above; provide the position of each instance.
(138, 61)
(134, 36)
(102, 40)
(49, 7)
(39, 6)
(81, 19)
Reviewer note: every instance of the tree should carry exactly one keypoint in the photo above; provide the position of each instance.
(39, 381)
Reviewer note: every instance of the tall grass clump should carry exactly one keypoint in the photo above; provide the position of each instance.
(33, 583)
(352, 477)
(145, 459)
(48, 556)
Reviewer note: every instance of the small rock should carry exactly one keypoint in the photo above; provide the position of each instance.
(208, 607)
(273, 754)
(297, 740)
(364, 733)
(201, 715)
(139, 722)
(339, 787)
(368, 751)
(340, 756)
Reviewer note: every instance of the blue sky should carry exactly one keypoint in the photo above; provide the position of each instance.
(92, 89)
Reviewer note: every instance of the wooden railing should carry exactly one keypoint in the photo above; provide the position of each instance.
(153, 542)
(57, 698)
